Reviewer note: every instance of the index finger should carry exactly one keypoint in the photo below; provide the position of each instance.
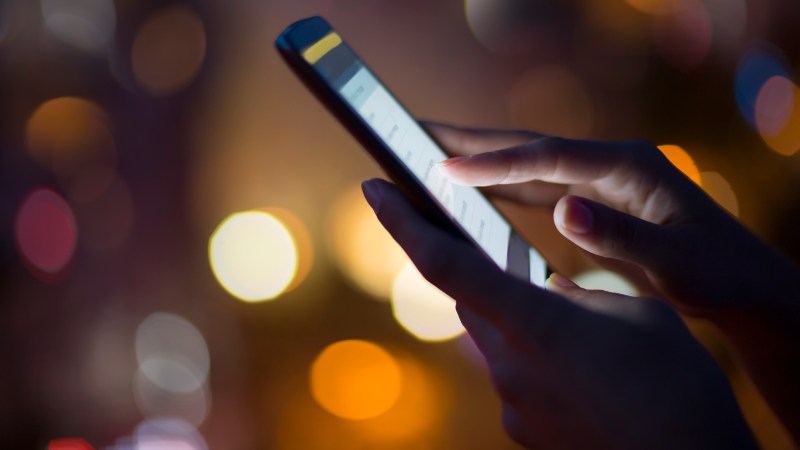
(554, 160)
(470, 141)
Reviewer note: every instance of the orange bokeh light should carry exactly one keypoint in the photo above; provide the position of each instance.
(355, 380)
(681, 159)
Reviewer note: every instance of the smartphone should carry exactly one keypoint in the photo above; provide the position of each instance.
(404, 150)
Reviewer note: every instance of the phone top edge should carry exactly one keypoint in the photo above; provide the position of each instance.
(303, 33)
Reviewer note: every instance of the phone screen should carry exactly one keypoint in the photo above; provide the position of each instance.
(344, 72)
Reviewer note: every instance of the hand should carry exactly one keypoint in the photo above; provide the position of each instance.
(626, 204)
(575, 369)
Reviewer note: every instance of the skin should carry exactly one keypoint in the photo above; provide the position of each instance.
(591, 369)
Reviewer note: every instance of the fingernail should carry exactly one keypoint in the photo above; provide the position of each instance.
(371, 193)
(578, 218)
(560, 281)
(451, 161)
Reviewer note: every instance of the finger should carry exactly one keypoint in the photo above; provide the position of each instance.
(486, 336)
(460, 270)
(469, 141)
(534, 193)
(554, 160)
(609, 233)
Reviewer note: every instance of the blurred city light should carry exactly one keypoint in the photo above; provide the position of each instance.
(514, 27)
(72, 137)
(755, 68)
(417, 410)
(355, 380)
(69, 444)
(681, 159)
(172, 353)
(46, 233)
(551, 100)
(302, 240)
(168, 50)
(154, 401)
(363, 249)
(167, 434)
(777, 115)
(721, 191)
(253, 256)
(85, 24)
(422, 309)
(604, 280)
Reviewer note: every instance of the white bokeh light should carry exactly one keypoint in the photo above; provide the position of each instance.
(422, 309)
(85, 24)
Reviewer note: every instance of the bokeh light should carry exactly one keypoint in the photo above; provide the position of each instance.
(168, 434)
(718, 188)
(253, 256)
(168, 50)
(154, 401)
(422, 309)
(418, 408)
(46, 232)
(363, 249)
(72, 136)
(172, 353)
(605, 281)
(355, 380)
(302, 240)
(755, 68)
(681, 159)
(551, 100)
(514, 27)
(69, 444)
(85, 24)
(777, 115)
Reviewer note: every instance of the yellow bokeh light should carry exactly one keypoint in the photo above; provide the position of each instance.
(604, 280)
(302, 241)
(355, 380)
(681, 159)
(777, 115)
(363, 249)
(422, 309)
(253, 256)
(168, 50)
(721, 191)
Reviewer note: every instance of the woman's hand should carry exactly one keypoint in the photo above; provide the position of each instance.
(575, 369)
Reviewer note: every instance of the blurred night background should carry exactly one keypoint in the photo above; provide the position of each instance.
(187, 261)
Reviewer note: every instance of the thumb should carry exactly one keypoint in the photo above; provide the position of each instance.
(609, 233)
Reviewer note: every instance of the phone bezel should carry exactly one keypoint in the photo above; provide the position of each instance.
(299, 36)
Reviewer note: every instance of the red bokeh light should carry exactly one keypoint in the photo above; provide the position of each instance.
(46, 232)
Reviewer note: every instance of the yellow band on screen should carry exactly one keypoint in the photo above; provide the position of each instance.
(321, 47)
